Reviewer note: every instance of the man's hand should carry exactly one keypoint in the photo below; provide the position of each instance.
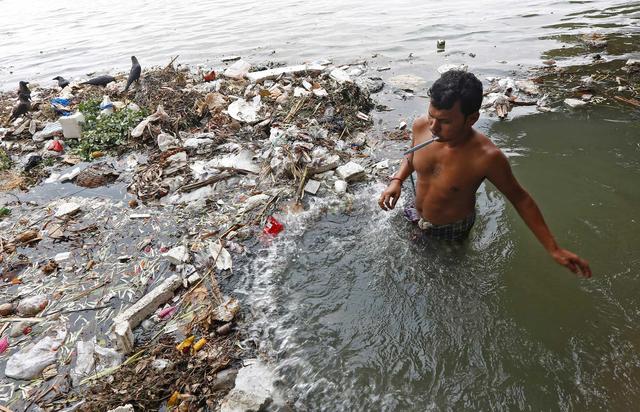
(572, 262)
(390, 196)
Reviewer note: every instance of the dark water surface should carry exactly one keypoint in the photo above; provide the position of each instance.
(355, 314)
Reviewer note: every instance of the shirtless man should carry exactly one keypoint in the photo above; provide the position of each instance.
(451, 169)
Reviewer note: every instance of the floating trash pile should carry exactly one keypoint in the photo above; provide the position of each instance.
(119, 294)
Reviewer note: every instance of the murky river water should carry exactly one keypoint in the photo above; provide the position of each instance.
(356, 315)
(360, 317)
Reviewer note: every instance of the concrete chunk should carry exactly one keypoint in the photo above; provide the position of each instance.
(177, 255)
(131, 317)
(312, 187)
(351, 172)
(340, 186)
(324, 165)
(194, 278)
(67, 209)
(254, 387)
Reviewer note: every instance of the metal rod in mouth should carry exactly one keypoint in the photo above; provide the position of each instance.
(421, 145)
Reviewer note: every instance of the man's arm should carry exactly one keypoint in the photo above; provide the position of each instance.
(500, 174)
(391, 194)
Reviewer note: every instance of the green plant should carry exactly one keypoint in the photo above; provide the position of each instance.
(4, 212)
(5, 160)
(105, 133)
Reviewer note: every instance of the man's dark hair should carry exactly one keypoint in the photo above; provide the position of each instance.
(457, 85)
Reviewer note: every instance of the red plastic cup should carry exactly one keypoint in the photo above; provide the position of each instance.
(273, 227)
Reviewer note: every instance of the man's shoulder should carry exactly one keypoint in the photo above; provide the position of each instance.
(492, 159)
(486, 148)
(484, 143)
(420, 123)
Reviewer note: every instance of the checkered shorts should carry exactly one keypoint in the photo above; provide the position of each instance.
(451, 231)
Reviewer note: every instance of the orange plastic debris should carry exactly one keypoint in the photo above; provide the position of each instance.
(173, 399)
(185, 344)
(210, 76)
(199, 344)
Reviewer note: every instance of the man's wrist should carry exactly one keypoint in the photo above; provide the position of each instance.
(553, 250)
(396, 178)
(552, 247)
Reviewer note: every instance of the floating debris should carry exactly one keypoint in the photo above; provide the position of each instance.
(90, 282)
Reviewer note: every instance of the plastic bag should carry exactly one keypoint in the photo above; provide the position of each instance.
(32, 305)
(31, 360)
